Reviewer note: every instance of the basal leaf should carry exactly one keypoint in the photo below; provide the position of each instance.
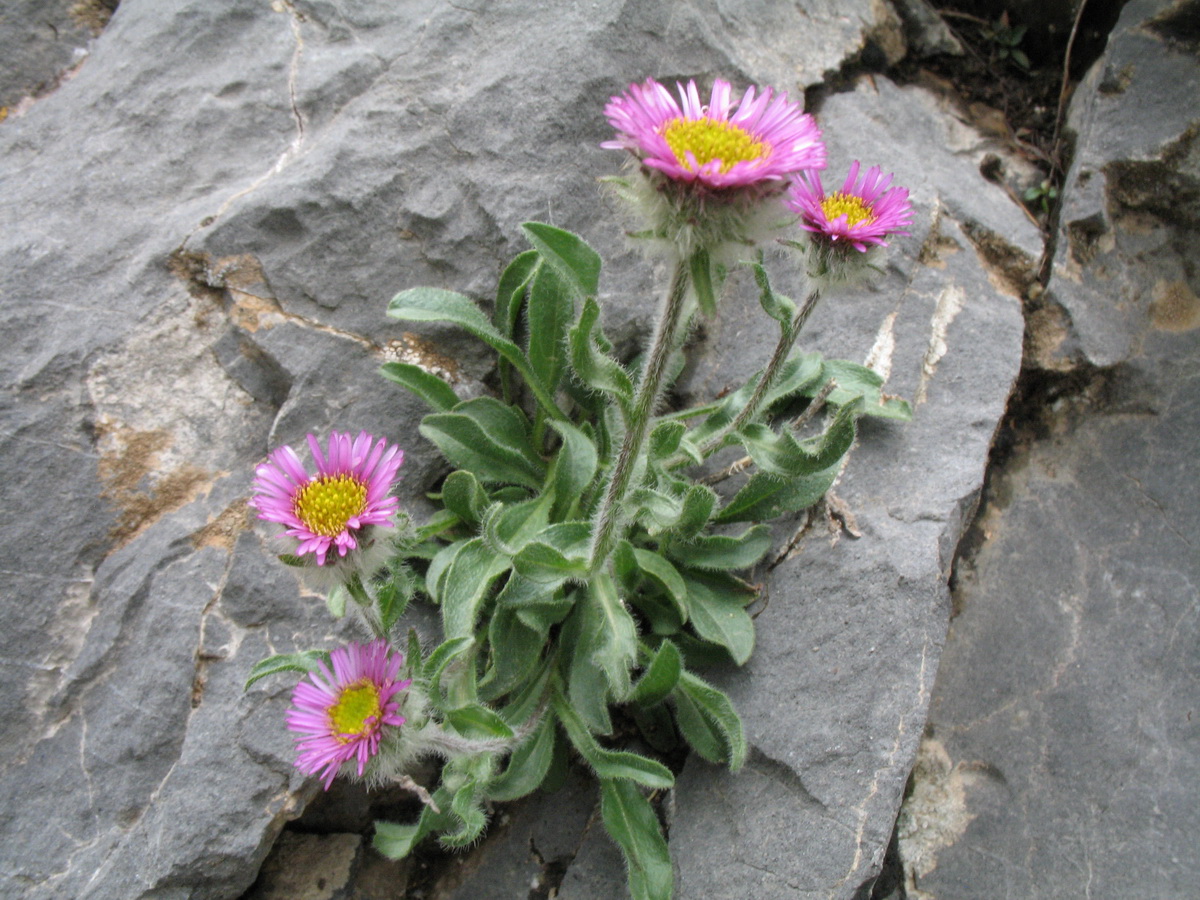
(304, 661)
(570, 256)
(630, 819)
(436, 393)
(488, 438)
(718, 615)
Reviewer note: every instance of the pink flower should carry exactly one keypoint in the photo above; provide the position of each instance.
(341, 714)
(766, 139)
(348, 493)
(858, 214)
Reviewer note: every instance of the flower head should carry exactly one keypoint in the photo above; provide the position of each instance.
(349, 493)
(857, 215)
(339, 714)
(765, 139)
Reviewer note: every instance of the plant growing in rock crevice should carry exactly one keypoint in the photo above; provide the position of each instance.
(579, 559)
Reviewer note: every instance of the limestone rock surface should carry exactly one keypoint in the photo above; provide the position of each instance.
(199, 232)
(1062, 757)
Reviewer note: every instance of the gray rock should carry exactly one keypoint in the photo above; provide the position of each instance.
(1136, 172)
(1062, 755)
(199, 233)
(41, 41)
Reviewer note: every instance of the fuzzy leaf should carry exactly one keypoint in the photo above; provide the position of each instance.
(464, 496)
(551, 312)
(854, 381)
(718, 615)
(780, 308)
(478, 723)
(511, 290)
(667, 577)
(717, 712)
(610, 763)
(570, 256)
(595, 368)
(768, 496)
(436, 393)
(630, 819)
(699, 502)
(468, 581)
(527, 766)
(660, 677)
(616, 651)
(436, 305)
(304, 661)
(574, 468)
(488, 438)
(723, 552)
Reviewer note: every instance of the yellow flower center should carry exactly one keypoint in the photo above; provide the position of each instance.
(848, 205)
(325, 503)
(710, 139)
(354, 707)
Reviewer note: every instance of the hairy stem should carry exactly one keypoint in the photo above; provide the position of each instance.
(649, 390)
(787, 339)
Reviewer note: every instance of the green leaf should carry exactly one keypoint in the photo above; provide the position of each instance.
(665, 438)
(667, 577)
(718, 615)
(610, 763)
(507, 527)
(654, 509)
(468, 581)
(516, 651)
(511, 289)
(527, 766)
(464, 496)
(717, 710)
(395, 840)
(435, 575)
(576, 263)
(335, 601)
(699, 731)
(467, 808)
(768, 496)
(594, 367)
(660, 677)
(551, 312)
(699, 502)
(723, 552)
(436, 393)
(304, 661)
(587, 684)
(854, 381)
(574, 468)
(625, 567)
(442, 656)
(616, 651)
(436, 305)
(394, 594)
(702, 282)
(441, 521)
(478, 723)
(546, 564)
(780, 308)
(630, 819)
(488, 438)
(797, 375)
(660, 612)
